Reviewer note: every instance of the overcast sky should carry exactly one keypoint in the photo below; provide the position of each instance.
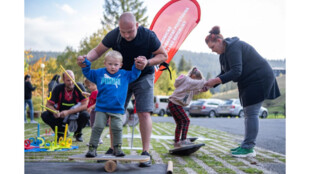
(53, 25)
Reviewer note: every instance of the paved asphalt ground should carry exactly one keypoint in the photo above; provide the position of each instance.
(271, 134)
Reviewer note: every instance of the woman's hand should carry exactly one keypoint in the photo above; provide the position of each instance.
(212, 82)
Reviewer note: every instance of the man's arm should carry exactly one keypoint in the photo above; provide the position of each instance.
(93, 54)
(51, 106)
(82, 107)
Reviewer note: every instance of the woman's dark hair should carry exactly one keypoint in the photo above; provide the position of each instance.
(27, 77)
(56, 78)
(215, 34)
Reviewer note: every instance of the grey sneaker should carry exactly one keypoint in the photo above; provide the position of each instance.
(92, 151)
(32, 121)
(177, 144)
(186, 142)
(117, 151)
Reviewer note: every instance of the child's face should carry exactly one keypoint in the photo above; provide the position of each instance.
(92, 87)
(113, 65)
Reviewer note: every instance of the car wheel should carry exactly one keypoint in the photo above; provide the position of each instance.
(161, 113)
(264, 114)
(212, 114)
(241, 114)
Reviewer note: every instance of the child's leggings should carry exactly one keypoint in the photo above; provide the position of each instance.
(181, 119)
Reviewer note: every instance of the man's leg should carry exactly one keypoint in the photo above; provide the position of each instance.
(144, 97)
(145, 129)
(31, 110)
(25, 111)
(50, 120)
(81, 121)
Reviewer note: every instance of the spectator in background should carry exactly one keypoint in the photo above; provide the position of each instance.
(54, 82)
(67, 100)
(28, 95)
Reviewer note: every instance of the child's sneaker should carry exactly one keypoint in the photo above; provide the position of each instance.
(117, 151)
(177, 144)
(241, 152)
(32, 121)
(92, 151)
(186, 142)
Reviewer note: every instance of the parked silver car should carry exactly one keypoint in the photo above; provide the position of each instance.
(204, 107)
(232, 107)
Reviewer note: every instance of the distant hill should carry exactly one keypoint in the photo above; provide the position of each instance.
(209, 62)
(38, 54)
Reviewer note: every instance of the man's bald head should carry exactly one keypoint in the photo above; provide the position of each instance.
(128, 26)
(126, 18)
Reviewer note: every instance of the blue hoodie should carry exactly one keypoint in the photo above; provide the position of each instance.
(112, 88)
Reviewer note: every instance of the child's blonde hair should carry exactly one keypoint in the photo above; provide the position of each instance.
(114, 55)
(194, 71)
(88, 82)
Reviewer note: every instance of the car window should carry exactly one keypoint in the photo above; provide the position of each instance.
(165, 100)
(213, 103)
(229, 102)
(198, 103)
(238, 102)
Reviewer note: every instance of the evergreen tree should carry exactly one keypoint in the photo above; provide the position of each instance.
(182, 64)
(114, 8)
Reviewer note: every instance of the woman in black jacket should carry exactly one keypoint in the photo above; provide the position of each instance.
(241, 63)
(28, 95)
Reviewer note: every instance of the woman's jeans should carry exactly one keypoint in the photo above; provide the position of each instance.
(251, 123)
(29, 102)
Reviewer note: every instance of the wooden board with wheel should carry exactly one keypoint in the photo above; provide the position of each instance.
(186, 150)
(111, 164)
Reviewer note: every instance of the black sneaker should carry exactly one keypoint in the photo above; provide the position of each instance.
(109, 152)
(148, 163)
(92, 151)
(78, 137)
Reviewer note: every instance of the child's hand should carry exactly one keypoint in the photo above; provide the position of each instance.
(80, 60)
(86, 94)
(204, 89)
(141, 62)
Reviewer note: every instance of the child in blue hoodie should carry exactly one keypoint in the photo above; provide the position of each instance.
(112, 83)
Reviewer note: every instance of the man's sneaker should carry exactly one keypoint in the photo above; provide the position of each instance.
(234, 149)
(26, 121)
(109, 151)
(92, 151)
(78, 137)
(32, 121)
(241, 152)
(148, 163)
